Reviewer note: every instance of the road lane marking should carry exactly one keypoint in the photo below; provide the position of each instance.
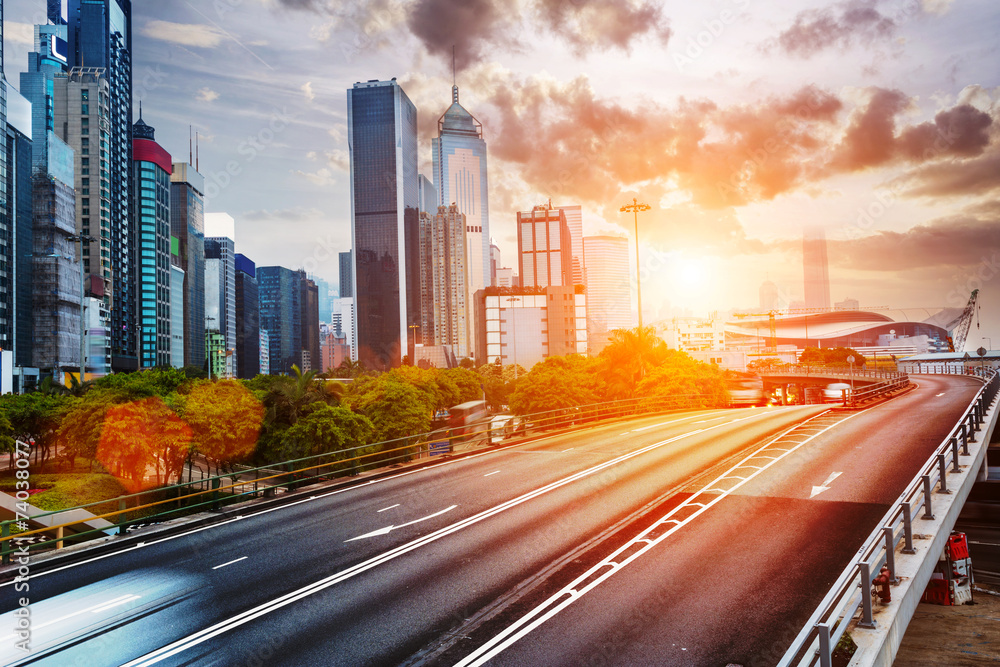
(941, 394)
(95, 609)
(491, 473)
(570, 593)
(201, 636)
(825, 486)
(388, 529)
(567, 450)
(230, 562)
(389, 507)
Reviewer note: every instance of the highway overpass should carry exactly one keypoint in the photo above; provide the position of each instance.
(694, 538)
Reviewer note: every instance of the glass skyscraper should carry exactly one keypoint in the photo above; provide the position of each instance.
(220, 293)
(153, 167)
(247, 319)
(99, 35)
(382, 136)
(281, 316)
(187, 224)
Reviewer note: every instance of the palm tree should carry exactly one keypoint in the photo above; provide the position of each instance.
(629, 356)
(287, 398)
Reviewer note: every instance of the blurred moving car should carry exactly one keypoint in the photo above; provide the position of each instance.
(835, 392)
(745, 389)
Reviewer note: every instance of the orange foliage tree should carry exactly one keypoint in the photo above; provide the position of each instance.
(225, 419)
(142, 437)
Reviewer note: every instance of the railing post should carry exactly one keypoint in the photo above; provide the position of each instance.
(965, 441)
(943, 473)
(890, 552)
(928, 514)
(954, 455)
(825, 651)
(907, 528)
(867, 619)
(121, 513)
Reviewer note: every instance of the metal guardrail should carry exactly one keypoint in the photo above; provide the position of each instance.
(237, 485)
(877, 390)
(817, 640)
(837, 371)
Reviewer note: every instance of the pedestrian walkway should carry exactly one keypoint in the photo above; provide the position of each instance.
(962, 636)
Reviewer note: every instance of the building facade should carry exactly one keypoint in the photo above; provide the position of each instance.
(574, 222)
(382, 135)
(309, 317)
(281, 316)
(187, 224)
(608, 288)
(815, 268)
(152, 169)
(99, 35)
(176, 311)
(220, 293)
(346, 288)
(247, 319)
(444, 292)
(544, 247)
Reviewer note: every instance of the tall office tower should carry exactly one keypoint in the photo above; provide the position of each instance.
(99, 35)
(281, 316)
(815, 268)
(176, 311)
(494, 262)
(38, 84)
(54, 11)
(16, 242)
(309, 317)
(608, 288)
(444, 279)
(220, 294)
(574, 221)
(382, 135)
(346, 288)
(544, 247)
(247, 319)
(427, 195)
(153, 167)
(187, 224)
(343, 311)
(460, 175)
(505, 277)
(265, 352)
(769, 297)
(80, 110)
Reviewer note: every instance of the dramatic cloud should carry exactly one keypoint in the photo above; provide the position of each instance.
(602, 24)
(977, 176)
(962, 131)
(870, 139)
(842, 26)
(957, 241)
(185, 34)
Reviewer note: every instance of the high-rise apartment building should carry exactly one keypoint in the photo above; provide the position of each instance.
(544, 247)
(445, 309)
(608, 288)
(187, 224)
(382, 135)
(494, 262)
(310, 323)
(176, 310)
(99, 36)
(281, 316)
(815, 268)
(346, 288)
(247, 319)
(220, 293)
(153, 167)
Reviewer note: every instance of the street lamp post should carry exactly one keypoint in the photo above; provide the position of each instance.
(634, 208)
(80, 238)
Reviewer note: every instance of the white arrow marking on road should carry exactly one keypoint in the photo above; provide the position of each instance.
(826, 485)
(387, 529)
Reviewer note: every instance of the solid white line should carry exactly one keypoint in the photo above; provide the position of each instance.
(570, 594)
(230, 562)
(208, 633)
(491, 473)
(389, 507)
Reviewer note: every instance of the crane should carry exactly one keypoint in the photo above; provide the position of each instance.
(964, 323)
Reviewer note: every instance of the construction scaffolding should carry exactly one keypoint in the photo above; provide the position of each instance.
(56, 291)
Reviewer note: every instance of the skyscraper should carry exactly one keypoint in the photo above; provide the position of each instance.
(247, 319)
(446, 311)
(309, 316)
(427, 195)
(152, 208)
(544, 247)
(461, 178)
(382, 136)
(187, 224)
(574, 221)
(176, 308)
(281, 316)
(220, 293)
(608, 288)
(815, 268)
(99, 35)
(769, 296)
(346, 274)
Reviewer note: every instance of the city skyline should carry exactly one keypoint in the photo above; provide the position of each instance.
(863, 152)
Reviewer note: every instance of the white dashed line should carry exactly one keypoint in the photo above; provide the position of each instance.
(491, 473)
(230, 562)
(389, 507)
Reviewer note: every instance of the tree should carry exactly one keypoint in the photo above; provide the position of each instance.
(469, 383)
(691, 383)
(764, 364)
(290, 394)
(499, 383)
(36, 416)
(225, 420)
(628, 358)
(396, 408)
(141, 435)
(557, 382)
(329, 428)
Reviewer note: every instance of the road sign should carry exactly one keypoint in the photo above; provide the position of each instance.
(981, 352)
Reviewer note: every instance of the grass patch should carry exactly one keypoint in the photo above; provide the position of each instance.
(63, 491)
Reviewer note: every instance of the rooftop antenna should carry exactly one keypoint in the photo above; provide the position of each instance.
(454, 77)
(197, 160)
(140, 109)
(190, 145)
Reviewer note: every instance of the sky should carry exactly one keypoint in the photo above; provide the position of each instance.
(739, 122)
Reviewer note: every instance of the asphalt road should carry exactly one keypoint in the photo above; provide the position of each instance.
(427, 566)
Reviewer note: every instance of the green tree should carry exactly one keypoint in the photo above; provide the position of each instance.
(395, 407)
(225, 420)
(557, 382)
(691, 383)
(628, 358)
(469, 383)
(36, 416)
(499, 383)
(326, 429)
